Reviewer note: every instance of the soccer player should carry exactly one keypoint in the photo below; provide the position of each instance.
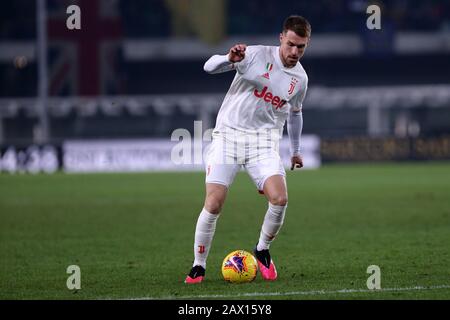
(269, 88)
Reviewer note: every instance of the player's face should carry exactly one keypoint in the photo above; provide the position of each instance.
(292, 48)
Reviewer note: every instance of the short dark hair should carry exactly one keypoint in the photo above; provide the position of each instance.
(298, 24)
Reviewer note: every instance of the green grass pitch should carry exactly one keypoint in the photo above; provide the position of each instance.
(132, 234)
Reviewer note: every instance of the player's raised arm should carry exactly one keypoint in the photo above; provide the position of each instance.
(224, 63)
(237, 53)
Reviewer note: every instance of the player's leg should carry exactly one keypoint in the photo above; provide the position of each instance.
(276, 193)
(269, 177)
(206, 223)
(218, 179)
(205, 229)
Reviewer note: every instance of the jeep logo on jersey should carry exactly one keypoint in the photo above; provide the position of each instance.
(268, 96)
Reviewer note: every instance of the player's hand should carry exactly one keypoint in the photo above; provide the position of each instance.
(237, 53)
(296, 162)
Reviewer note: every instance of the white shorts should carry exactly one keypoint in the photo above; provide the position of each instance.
(222, 162)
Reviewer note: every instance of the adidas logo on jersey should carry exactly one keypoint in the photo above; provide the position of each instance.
(269, 67)
(268, 96)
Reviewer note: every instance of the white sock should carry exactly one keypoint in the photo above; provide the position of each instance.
(204, 233)
(272, 224)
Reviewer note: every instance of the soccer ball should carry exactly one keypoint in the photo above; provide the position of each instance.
(239, 266)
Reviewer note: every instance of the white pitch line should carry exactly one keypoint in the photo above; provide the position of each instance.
(294, 293)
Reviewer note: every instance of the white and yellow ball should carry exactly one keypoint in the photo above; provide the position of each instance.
(239, 266)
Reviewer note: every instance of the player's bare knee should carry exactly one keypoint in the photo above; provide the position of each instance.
(213, 208)
(279, 200)
(213, 205)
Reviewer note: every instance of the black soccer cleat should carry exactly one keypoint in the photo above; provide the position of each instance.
(196, 275)
(263, 256)
(265, 264)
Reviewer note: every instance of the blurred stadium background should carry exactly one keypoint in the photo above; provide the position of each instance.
(134, 72)
(110, 96)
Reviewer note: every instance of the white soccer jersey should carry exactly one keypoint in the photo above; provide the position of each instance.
(262, 93)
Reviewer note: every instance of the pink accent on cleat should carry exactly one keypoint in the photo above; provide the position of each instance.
(193, 280)
(269, 274)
